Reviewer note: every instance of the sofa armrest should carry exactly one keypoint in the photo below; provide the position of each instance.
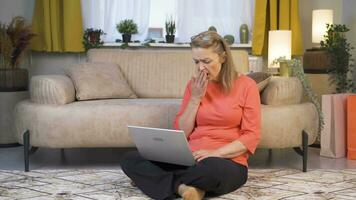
(282, 91)
(52, 89)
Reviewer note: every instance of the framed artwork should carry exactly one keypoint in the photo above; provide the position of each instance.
(155, 33)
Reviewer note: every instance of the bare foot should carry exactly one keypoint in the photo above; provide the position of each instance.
(190, 192)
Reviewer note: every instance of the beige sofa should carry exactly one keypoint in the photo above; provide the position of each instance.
(53, 118)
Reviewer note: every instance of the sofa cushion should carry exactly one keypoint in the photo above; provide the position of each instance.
(158, 73)
(282, 90)
(99, 81)
(94, 123)
(51, 89)
(261, 78)
(103, 123)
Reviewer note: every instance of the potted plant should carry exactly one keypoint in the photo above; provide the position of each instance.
(127, 27)
(170, 30)
(341, 62)
(92, 38)
(14, 40)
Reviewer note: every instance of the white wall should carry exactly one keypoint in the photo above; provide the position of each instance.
(349, 18)
(11, 8)
(305, 12)
(52, 63)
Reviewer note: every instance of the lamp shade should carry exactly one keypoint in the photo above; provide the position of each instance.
(320, 19)
(279, 45)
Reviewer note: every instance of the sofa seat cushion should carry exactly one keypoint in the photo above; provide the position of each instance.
(93, 123)
(99, 81)
(103, 123)
(282, 125)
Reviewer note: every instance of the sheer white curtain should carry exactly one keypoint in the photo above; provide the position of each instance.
(105, 14)
(195, 16)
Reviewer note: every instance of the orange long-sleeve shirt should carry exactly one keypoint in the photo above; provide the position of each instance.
(222, 118)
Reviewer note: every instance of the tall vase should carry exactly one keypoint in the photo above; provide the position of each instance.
(284, 69)
(244, 34)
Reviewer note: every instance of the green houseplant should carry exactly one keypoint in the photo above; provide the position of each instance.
(170, 30)
(14, 41)
(295, 68)
(127, 27)
(92, 38)
(340, 70)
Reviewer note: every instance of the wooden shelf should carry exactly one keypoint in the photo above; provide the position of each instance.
(169, 45)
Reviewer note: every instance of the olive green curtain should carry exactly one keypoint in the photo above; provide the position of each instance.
(276, 15)
(58, 25)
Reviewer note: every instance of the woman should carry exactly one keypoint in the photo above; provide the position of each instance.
(220, 116)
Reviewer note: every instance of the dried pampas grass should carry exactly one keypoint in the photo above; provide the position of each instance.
(14, 40)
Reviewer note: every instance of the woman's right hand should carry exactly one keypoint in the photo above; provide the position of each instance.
(198, 86)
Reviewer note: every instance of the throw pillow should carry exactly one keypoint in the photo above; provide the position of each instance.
(261, 79)
(99, 81)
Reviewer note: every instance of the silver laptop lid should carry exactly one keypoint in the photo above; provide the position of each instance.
(163, 145)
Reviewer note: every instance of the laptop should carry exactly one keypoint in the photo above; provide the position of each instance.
(163, 145)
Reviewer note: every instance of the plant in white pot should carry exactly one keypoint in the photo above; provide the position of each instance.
(127, 27)
(170, 30)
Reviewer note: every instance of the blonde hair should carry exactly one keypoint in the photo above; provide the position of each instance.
(210, 39)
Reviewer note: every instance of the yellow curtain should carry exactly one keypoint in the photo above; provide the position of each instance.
(276, 15)
(58, 25)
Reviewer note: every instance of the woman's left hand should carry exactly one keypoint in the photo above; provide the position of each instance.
(201, 154)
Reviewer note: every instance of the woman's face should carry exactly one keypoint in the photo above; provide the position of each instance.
(207, 61)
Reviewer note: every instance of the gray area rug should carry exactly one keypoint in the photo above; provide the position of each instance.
(113, 184)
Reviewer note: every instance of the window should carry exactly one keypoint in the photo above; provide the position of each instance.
(191, 16)
(160, 10)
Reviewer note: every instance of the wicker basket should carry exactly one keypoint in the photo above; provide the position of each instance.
(12, 80)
